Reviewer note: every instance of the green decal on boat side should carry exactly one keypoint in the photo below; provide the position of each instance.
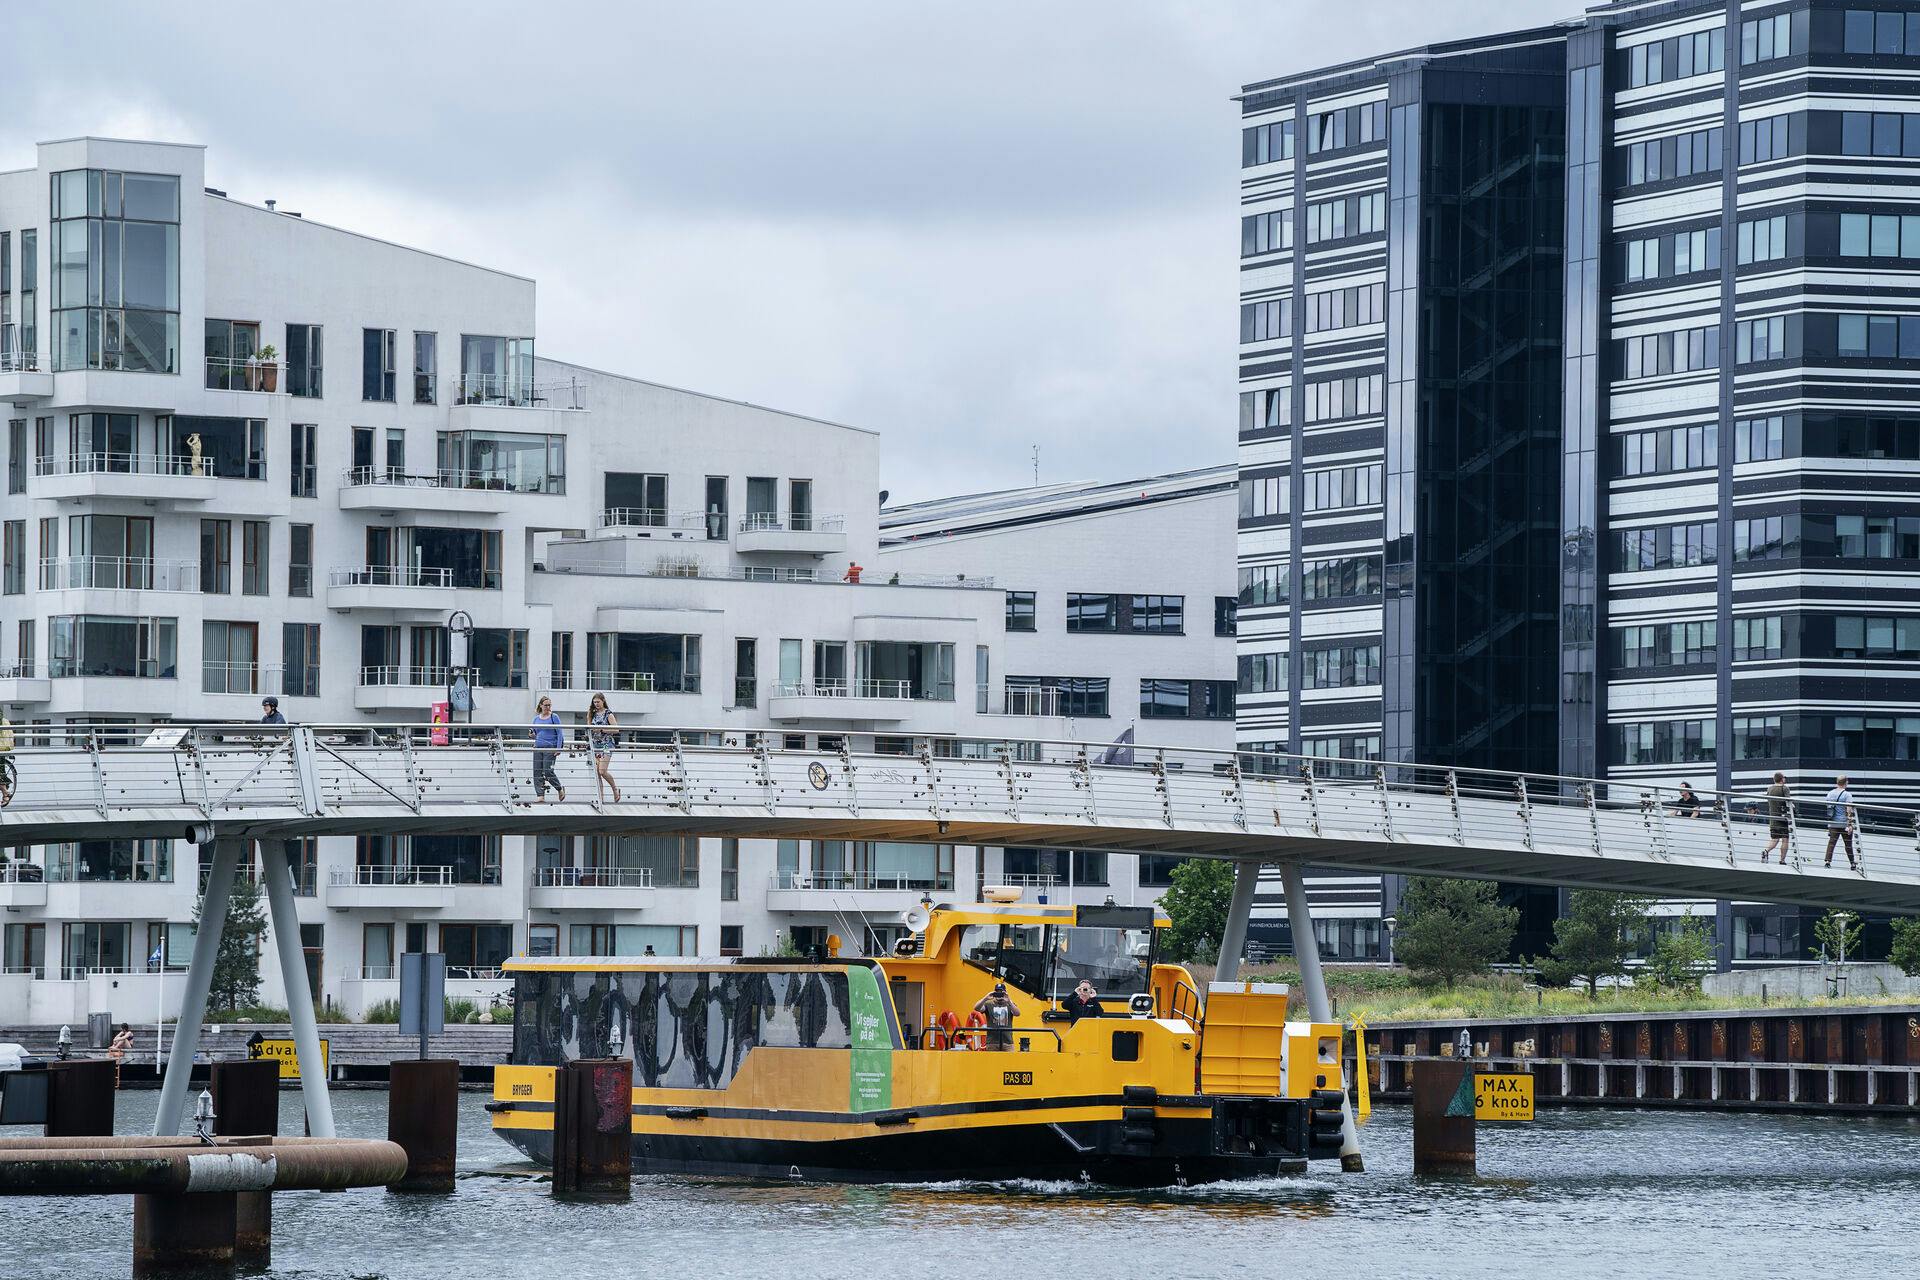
(870, 1074)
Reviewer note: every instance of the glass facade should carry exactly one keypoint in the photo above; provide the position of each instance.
(116, 270)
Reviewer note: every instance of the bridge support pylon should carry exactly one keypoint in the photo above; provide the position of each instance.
(285, 919)
(1233, 938)
(1306, 951)
(193, 1007)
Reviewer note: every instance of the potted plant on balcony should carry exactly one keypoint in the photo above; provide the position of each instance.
(267, 370)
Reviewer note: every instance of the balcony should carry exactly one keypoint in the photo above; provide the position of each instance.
(1027, 701)
(136, 477)
(249, 679)
(426, 888)
(888, 701)
(22, 884)
(850, 890)
(796, 533)
(394, 688)
(24, 682)
(385, 489)
(398, 588)
(654, 522)
(22, 378)
(511, 402)
(592, 889)
(255, 375)
(118, 573)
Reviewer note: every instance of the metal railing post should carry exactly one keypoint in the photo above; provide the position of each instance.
(1526, 811)
(99, 774)
(1083, 769)
(763, 760)
(1726, 825)
(1013, 789)
(1386, 804)
(846, 766)
(1453, 802)
(412, 767)
(933, 779)
(1160, 783)
(497, 748)
(1313, 798)
(305, 772)
(1593, 818)
(1239, 793)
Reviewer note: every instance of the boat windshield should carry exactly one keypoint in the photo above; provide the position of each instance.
(1049, 961)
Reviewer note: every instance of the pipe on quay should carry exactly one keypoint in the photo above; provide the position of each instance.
(179, 1166)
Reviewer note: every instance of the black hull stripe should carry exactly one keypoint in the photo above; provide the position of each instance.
(896, 1115)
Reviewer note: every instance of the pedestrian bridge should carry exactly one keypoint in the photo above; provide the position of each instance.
(268, 782)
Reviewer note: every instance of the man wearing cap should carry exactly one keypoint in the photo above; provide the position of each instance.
(999, 1011)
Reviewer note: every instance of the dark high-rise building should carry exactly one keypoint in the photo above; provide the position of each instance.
(1579, 431)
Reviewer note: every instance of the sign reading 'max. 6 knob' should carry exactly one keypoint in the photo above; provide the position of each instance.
(1506, 1097)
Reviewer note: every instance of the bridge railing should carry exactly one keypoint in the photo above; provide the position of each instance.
(272, 772)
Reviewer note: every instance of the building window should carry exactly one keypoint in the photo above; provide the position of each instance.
(1262, 672)
(1263, 584)
(1687, 155)
(729, 871)
(300, 560)
(1761, 538)
(16, 558)
(1347, 127)
(746, 660)
(1265, 410)
(1665, 449)
(1139, 614)
(376, 365)
(1346, 217)
(1341, 578)
(229, 657)
(1156, 870)
(1020, 611)
(1668, 644)
(304, 361)
(98, 645)
(1343, 666)
(1266, 321)
(1672, 254)
(255, 541)
(1667, 546)
(1226, 616)
(1329, 399)
(1758, 639)
(641, 661)
(1263, 496)
(1675, 58)
(426, 367)
(1665, 742)
(1651, 355)
(116, 270)
(216, 557)
(1266, 143)
(1058, 695)
(1266, 233)
(732, 940)
(1338, 487)
(1345, 308)
(1764, 39)
(516, 462)
(1186, 699)
(1880, 32)
(303, 460)
(17, 455)
(1879, 133)
(300, 659)
(1771, 138)
(1764, 239)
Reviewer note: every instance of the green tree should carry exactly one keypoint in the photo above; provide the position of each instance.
(1906, 947)
(1599, 934)
(1450, 929)
(1681, 957)
(1197, 903)
(236, 966)
(1836, 935)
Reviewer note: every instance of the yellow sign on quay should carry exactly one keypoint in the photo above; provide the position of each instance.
(1503, 1097)
(284, 1052)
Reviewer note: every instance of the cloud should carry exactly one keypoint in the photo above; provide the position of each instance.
(975, 227)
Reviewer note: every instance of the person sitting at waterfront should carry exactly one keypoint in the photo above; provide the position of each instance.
(1083, 1002)
(122, 1043)
(1000, 1011)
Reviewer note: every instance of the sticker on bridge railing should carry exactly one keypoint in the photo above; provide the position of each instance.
(818, 776)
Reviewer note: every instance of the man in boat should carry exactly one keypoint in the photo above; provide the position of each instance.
(999, 1011)
(1083, 1002)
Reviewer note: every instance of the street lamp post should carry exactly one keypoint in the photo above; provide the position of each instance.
(1389, 924)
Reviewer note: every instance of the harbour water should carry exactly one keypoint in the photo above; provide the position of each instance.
(1576, 1193)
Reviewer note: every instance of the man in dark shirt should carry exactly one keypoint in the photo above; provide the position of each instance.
(271, 706)
(1083, 1002)
(999, 1011)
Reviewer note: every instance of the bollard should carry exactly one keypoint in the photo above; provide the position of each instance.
(80, 1098)
(423, 1117)
(1443, 1141)
(191, 1232)
(593, 1128)
(246, 1100)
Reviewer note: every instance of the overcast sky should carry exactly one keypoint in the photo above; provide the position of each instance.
(975, 227)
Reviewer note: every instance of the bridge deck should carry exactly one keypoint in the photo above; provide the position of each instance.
(273, 782)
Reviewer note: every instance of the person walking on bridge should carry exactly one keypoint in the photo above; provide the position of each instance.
(546, 750)
(1779, 818)
(1840, 821)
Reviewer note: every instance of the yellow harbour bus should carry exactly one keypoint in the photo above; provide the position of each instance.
(861, 1069)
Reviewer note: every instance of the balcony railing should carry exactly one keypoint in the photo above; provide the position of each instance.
(227, 374)
(19, 362)
(382, 875)
(900, 690)
(390, 575)
(1028, 880)
(829, 881)
(118, 573)
(516, 390)
(495, 480)
(1031, 702)
(691, 567)
(793, 522)
(18, 671)
(620, 681)
(593, 878)
(240, 677)
(430, 677)
(633, 518)
(133, 464)
(35, 971)
(22, 873)
(378, 973)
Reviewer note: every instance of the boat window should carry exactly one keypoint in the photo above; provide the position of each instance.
(683, 1029)
(1118, 962)
(1015, 953)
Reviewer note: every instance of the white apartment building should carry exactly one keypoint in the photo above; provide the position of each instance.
(249, 454)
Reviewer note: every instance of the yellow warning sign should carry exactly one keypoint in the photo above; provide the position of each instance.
(283, 1052)
(1503, 1097)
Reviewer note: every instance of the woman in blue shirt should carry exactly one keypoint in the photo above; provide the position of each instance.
(546, 749)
